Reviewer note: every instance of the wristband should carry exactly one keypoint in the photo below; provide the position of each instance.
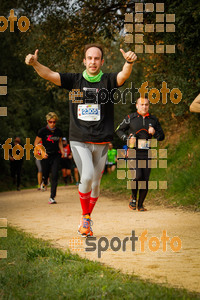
(124, 137)
(129, 62)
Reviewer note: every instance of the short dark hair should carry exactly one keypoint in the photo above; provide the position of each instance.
(94, 45)
(141, 98)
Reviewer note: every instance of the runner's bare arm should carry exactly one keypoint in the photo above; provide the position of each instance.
(41, 148)
(60, 144)
(122, 76)
(44, 72)
(195, 106)
(37, 140)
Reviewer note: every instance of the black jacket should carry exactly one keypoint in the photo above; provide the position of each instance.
(138, 125)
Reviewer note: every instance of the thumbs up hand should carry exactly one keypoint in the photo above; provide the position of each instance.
(129, 56)
(31, 59)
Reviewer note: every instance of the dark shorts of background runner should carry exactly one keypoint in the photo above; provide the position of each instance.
(66, 163)
(110, 164)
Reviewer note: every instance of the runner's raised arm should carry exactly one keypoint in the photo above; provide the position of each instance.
(122, 76)
(44, 72)
(195, 106)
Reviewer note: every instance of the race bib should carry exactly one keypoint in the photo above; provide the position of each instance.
(143, 144)
(89, 112)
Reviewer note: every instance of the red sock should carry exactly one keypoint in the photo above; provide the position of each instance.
(92, 203)
(85, 202)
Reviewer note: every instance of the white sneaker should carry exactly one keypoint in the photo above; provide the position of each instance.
(43, 187)
(52, 201)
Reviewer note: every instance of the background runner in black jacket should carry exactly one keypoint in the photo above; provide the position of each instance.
(52, 141)
(138, 128)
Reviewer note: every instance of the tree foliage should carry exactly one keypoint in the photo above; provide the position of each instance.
(60, 29)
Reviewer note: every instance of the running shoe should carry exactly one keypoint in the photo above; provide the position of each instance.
(85, 228)
(142, 208)
(132, 204)
(43, 187)
(52, 201)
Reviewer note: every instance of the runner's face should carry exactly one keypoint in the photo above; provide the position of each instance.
(142, 106)
(93, 61)
(52, 123)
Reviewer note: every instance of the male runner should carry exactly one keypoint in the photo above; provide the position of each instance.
(141, 127)
(91, 120)
(111, 158)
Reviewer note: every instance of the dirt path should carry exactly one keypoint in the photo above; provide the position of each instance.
(30, 211)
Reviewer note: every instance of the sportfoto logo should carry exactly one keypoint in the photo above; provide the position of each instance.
(116, 244)
(102, 96)
(23, 23)
(127, 163)
(18, 151)
(139, 27)
(3, 233)
(3, 92)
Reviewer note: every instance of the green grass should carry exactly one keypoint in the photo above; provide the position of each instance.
(35, 270)
(182, 175)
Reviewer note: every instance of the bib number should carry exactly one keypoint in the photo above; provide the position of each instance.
(89, 112)
(143, 144)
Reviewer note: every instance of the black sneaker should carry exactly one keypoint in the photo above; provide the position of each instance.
(132, 204)
(142, 208)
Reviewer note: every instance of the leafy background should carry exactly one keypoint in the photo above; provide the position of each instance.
(60, 29)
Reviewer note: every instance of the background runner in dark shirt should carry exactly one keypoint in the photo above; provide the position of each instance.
(52, 141)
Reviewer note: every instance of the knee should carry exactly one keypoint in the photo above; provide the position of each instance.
(96, 183)
(96, 188)
(136, 176)
(86, 180)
